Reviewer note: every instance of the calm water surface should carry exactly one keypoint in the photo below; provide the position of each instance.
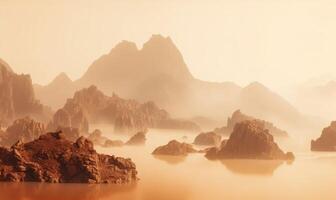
(310, 176)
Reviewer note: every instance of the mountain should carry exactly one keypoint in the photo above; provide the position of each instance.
(55, 93)
(17, 98)
(90, 105)
(157, 72)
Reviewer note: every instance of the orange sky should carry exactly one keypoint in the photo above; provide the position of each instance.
(279, 43)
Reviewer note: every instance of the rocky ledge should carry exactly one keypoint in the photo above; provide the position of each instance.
(175, 148)
(209, 139)
(54, 159)
(249, 140)
(327, 141)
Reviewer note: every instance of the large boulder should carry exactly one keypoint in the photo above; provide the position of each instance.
(175, 148)
(249, 140)
(327, 140)
(25, 129)
(137, 139)
(98, 139)
(209, 139)
(54, 159)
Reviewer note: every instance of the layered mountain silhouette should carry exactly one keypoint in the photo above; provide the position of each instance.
(17, 98)
(157, 72)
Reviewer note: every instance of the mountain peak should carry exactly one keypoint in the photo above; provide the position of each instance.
(255, 86)
(61, 79)
(4, 64)
(125, 46)
(159, 41)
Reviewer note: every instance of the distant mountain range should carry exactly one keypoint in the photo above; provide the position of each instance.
(157, 72)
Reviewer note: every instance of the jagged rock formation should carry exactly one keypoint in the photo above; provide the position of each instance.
(209, 138)
(98, 139)
(137, 139)
(56, 93)
(54, 159)
(238, 116)
(249, 140)
(175, 148)
(17, 98)
(70, 116)
(125, 115)
(327, 140)
(25, 129)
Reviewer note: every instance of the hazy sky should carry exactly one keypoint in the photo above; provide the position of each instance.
(279, 42)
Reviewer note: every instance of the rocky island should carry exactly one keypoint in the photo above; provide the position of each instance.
(54, 159)
(175, 148)
(327, 140)
(249, 140)
(208, 139)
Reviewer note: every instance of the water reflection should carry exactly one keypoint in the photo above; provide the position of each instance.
(40, 191)
(252, 167)
(172, 160)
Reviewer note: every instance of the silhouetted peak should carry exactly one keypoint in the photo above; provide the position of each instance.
(125, 47)
(158, 41)
(62, 78)
(255, 86)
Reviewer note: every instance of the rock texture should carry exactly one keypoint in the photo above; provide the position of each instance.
(175, 148)
(137, 139)
(54, 159)
(209, 139)
(249, 140)
(92, 105)
(25, 129)
(238, 116)
(17, 98)
(327, 140)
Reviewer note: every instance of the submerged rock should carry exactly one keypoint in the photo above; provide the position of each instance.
(327, 140)
(98, 139)
(54, 159)
(209, 139)
(249, 140)
(137, 139)
(175, 148)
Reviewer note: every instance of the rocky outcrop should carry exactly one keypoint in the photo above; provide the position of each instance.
(126, 115)
(25, 129)
(175, 148)
(209, 139)
(238, 116)
(249, 140)
(98, 139)
(137, 139)
(17, 98)
(327, 140)
(54, 159)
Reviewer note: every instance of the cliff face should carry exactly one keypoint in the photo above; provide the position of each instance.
(327, 140)
(92, 105)
(238, 117)
(24, 129)
(249, 140)
(54, 159)
(17, 98)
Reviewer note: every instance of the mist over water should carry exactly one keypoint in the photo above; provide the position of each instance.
(310, 176)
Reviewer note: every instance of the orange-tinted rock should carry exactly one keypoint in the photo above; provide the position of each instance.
(249, 140)
(98, 139)
(137, 139)
(209, 138)
(327, 140)
(175, 148)
(17, 98)
(54, 159)
(238, 116)
(25, 129)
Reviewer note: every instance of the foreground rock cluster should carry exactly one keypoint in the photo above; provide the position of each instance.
(327, 140)
(238, 116)
(249, 140)
(54, 159)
